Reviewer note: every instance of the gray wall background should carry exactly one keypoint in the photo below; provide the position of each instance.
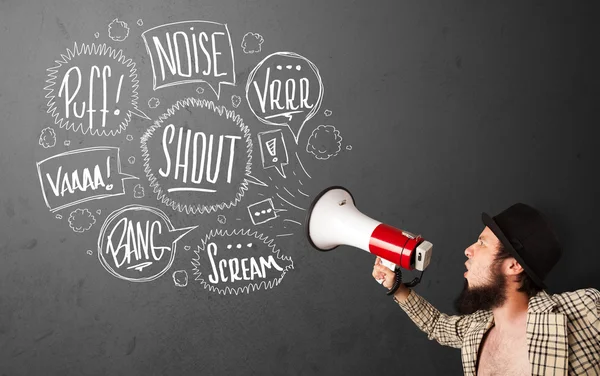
(451, 108)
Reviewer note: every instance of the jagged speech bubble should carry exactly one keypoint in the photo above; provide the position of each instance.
(191, 51)
(198, 157)
(81, 175)
(285, 89)
(138, 243)
(92, 89)
(239, 261)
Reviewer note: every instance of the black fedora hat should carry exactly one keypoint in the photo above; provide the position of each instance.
(528, 237)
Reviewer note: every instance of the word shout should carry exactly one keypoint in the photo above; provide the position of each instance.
(197, 158)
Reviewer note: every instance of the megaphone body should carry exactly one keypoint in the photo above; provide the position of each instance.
(334, 220)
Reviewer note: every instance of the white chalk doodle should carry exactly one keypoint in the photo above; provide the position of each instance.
(98, 96)
(289, 203)
(89, 252)
(190, 164)
(191, 52)
(118, 30)
(138, 191)
(58, 216)
(187, 248)
(302, 193)
(67, 142)
(324, 142)
(131, 160)
(327, 112)
(97, 35)
(81, 175)
(153, 102)
(276, 155)
(285, 97)
(200, 90)
(221, 219)
(348, 147)
(281, 235)
(140, 22)
(291, 220)
(81, 220)
(259, 264)
(138, 243)
(252, 42)
(180, 278)
(236, 100)
(47, 138)
(262, 212)
(302, 166)
(98, 211)
(129, 137)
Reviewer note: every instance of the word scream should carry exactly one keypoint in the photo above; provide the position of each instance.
(234, 269)
(196, 157)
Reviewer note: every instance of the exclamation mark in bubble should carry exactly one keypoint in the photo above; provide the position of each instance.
(108, 186)
(271, 148)
(117, 111)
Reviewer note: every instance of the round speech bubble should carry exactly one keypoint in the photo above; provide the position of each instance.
(137, 243)
(92, 89)
(285, 89)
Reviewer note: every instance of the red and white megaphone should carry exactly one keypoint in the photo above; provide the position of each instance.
(333, 220)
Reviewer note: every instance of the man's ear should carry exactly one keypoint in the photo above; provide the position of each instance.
(513, 267)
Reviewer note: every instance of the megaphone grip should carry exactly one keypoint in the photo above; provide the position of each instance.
(397, 282)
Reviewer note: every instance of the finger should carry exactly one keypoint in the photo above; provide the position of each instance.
(378, 261)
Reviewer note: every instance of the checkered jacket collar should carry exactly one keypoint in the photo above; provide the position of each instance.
(541, 303)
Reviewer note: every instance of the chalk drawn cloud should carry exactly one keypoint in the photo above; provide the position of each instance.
(239, 261)
(118, 30)
(324, 142)
(251, 43)
(47, 138)
(81, 220)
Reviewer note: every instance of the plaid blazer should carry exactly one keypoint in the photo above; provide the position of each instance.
(563, 331)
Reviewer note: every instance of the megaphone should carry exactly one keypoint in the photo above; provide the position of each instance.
(334, 220)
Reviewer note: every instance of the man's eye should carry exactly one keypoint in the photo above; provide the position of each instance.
(481, 242)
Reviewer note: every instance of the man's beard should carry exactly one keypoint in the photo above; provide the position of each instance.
(492, 295)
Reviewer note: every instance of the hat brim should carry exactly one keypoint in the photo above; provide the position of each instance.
(489, 222)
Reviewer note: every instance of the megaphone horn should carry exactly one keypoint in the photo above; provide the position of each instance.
(333, 220)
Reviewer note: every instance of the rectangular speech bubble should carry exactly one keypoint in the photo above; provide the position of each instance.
(191, 51)
(81, 175)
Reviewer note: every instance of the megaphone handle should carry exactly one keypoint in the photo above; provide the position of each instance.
(398, 281)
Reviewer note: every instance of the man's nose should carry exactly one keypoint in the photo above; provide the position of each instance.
(468, 252)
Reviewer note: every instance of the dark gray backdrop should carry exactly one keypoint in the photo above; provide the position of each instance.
(451, 109)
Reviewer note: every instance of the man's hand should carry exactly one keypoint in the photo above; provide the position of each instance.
(383, 273)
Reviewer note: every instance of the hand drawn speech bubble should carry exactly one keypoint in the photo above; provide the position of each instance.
(191, 51)
(93, 89)
(285, 89)
(198, 157)
(81, 175)
(239, 261)
(138, 243)
(273, 150)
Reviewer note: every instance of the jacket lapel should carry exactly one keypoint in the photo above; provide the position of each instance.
(546, 337)
(470, 351)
